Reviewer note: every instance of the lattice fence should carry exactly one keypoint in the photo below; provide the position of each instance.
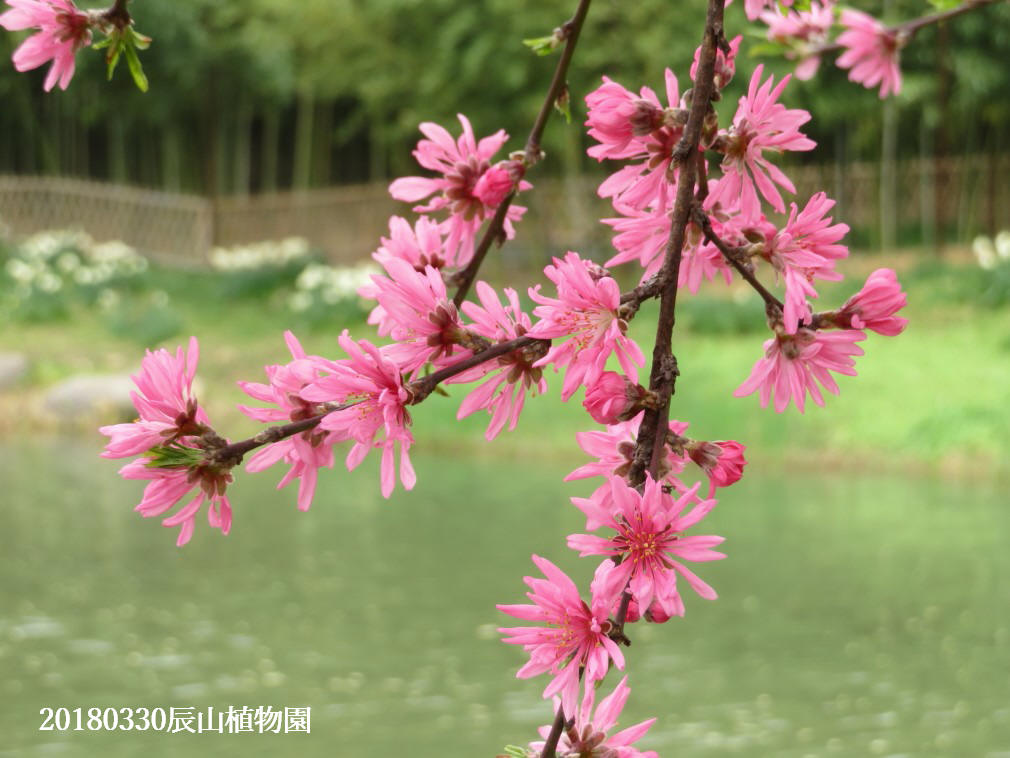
(171, 228)
(961, 197)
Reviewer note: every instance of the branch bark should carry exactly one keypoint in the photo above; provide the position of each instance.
(651, 436)
(733, 257)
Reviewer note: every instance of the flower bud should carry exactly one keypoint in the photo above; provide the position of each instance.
(721, 460)
(613, 398)
(494, 185)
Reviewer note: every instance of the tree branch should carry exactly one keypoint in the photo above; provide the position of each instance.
(732, 256)
(118, 15)
(533, 153)
(651, 435)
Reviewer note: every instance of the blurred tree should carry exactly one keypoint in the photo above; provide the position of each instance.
(264, 94)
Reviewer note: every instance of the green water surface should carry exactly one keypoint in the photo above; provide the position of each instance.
(857, 616)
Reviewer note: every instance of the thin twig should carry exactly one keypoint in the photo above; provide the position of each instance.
(118, 15)
(572, 28)
(650, 443)
(733, 257)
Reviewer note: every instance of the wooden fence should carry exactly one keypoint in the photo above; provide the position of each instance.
(952, 199)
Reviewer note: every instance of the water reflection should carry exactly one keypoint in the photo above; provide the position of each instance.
(856, 617)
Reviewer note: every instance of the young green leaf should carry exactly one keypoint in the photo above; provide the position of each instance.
(136, 70)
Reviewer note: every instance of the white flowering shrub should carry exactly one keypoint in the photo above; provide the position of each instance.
(48, 271)
(260, 268)
(993, 256)
(330, 293)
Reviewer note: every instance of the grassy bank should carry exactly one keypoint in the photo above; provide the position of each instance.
(937, 397)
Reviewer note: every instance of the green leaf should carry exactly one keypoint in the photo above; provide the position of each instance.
(542, 45)
(112, 58)
(174, 455)
(139, 40)
(136, 70)
(766, 49)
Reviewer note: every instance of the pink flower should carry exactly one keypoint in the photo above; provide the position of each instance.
(725, 66)
(511, 375)
(650, 183)
(612, 398)
(616, 117)
(497, 182)
(63, 30)
(420, 246)
(462, 163)
(871, 52)
(754, 8)
(377, 417)
(803, 31)
(614, 451)
(806, 249)
(588, 735)
(576, 634)
(307, 452)
(169, 485)
(794, 364)
(585, 310)
(721, 460)
(165, 403)
(874, 306)
(643, 235)
(415, 310)
(170, 434)
(648, 534)
(761, 124)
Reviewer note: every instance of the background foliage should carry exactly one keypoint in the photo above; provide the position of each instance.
(264, 94)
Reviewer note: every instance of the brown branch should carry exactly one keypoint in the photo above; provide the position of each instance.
(651, 436)
(421, 388)
(734, 257)
(495, 231)
(532, 347)
(554, 736)
(533, 153)
(231, 455)
(118, 15)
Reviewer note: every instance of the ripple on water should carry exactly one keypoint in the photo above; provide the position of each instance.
(190, 691)
(36, 627)
(90, 647)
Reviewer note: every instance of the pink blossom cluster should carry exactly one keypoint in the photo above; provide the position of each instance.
(169, 436)
(469, 187)
(870, 50)
(803, 249)
(640, 519)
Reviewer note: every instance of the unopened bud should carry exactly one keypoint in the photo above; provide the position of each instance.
(495, 184)
(613, 398)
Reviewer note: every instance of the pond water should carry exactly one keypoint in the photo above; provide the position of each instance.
(857, 616)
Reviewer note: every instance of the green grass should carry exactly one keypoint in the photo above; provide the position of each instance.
(938, 395)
